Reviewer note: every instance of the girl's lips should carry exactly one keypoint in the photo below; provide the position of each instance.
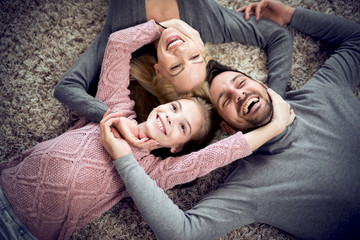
(160, 124)
(173, 41)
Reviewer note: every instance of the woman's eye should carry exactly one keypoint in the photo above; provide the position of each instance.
(173, 106)
(195, 57)
(175, 67)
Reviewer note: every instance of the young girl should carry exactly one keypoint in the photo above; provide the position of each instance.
(60, 185)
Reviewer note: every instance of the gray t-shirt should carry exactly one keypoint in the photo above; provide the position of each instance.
(305, 181)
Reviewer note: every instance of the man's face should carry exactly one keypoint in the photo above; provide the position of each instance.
(242, 102)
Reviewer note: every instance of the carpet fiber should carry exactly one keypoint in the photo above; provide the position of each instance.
(40, 39)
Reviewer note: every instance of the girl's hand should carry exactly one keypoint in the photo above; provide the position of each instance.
(186, 30)
(283, 115)
(269, 9)
(113, 144)
(130, 131)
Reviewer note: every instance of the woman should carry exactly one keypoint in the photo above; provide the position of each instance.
(62, 184)
(216, 24)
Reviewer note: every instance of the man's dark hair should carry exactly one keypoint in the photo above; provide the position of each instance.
(214, 68)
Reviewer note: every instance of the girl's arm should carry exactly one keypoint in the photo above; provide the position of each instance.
(173, 171)
(114, 76)
(282, 117)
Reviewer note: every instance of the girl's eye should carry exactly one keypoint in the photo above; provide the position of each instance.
(173, 106)
(195, 57)
(182, 127)
(175, 67)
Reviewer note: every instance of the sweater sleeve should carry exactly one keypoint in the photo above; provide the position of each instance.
(173, 171)
(72, 88)
(114, 76)
(340, 34)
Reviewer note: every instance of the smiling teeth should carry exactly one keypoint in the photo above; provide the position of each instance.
(159, 123)
(174, 43)
(246, 108)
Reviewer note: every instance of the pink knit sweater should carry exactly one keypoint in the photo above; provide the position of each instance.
(62, 184)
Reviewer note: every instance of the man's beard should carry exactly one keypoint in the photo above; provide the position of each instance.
(262, 118)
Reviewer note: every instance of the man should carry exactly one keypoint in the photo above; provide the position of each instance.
(304, 181)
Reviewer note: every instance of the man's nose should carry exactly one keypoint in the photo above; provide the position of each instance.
(238, 95)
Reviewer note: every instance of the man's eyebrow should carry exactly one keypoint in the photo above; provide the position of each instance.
(222, 93)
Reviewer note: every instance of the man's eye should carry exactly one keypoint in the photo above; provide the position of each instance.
(226, 101)
(195, 57)
(241, 84)
(175, 67)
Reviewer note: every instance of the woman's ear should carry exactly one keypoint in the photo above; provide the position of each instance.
(156, 67)
(227, 128)
(176, 149)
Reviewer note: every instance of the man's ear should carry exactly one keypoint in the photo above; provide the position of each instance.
(176, 149)
(156, 67)
(227, 128)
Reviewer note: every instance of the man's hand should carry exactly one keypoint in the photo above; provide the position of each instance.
(114, 145)
(269, 9)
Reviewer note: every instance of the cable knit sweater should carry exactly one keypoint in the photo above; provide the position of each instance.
(62, 184)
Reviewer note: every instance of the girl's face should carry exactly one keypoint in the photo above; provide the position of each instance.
(180, 60)
(174, 123)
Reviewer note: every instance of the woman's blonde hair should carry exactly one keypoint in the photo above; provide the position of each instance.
(142, 69)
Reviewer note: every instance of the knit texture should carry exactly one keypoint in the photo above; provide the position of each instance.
(62, 184)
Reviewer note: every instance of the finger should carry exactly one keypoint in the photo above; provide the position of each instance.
(242, 9)
(292, 116)
(272, 94)
(248, 10)
(148, 144)
(142, 135)
(115, 132)
(111, 115)
(258, 11)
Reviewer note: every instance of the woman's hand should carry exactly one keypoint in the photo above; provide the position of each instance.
(269, 9)
(186, 29)
(283, 115)
(113, 143)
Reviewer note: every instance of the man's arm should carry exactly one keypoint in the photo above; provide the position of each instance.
(218, 24)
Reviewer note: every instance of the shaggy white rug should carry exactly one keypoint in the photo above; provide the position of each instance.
(40, 39)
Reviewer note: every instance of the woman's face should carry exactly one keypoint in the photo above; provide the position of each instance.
(175, 123)
(180, 60)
